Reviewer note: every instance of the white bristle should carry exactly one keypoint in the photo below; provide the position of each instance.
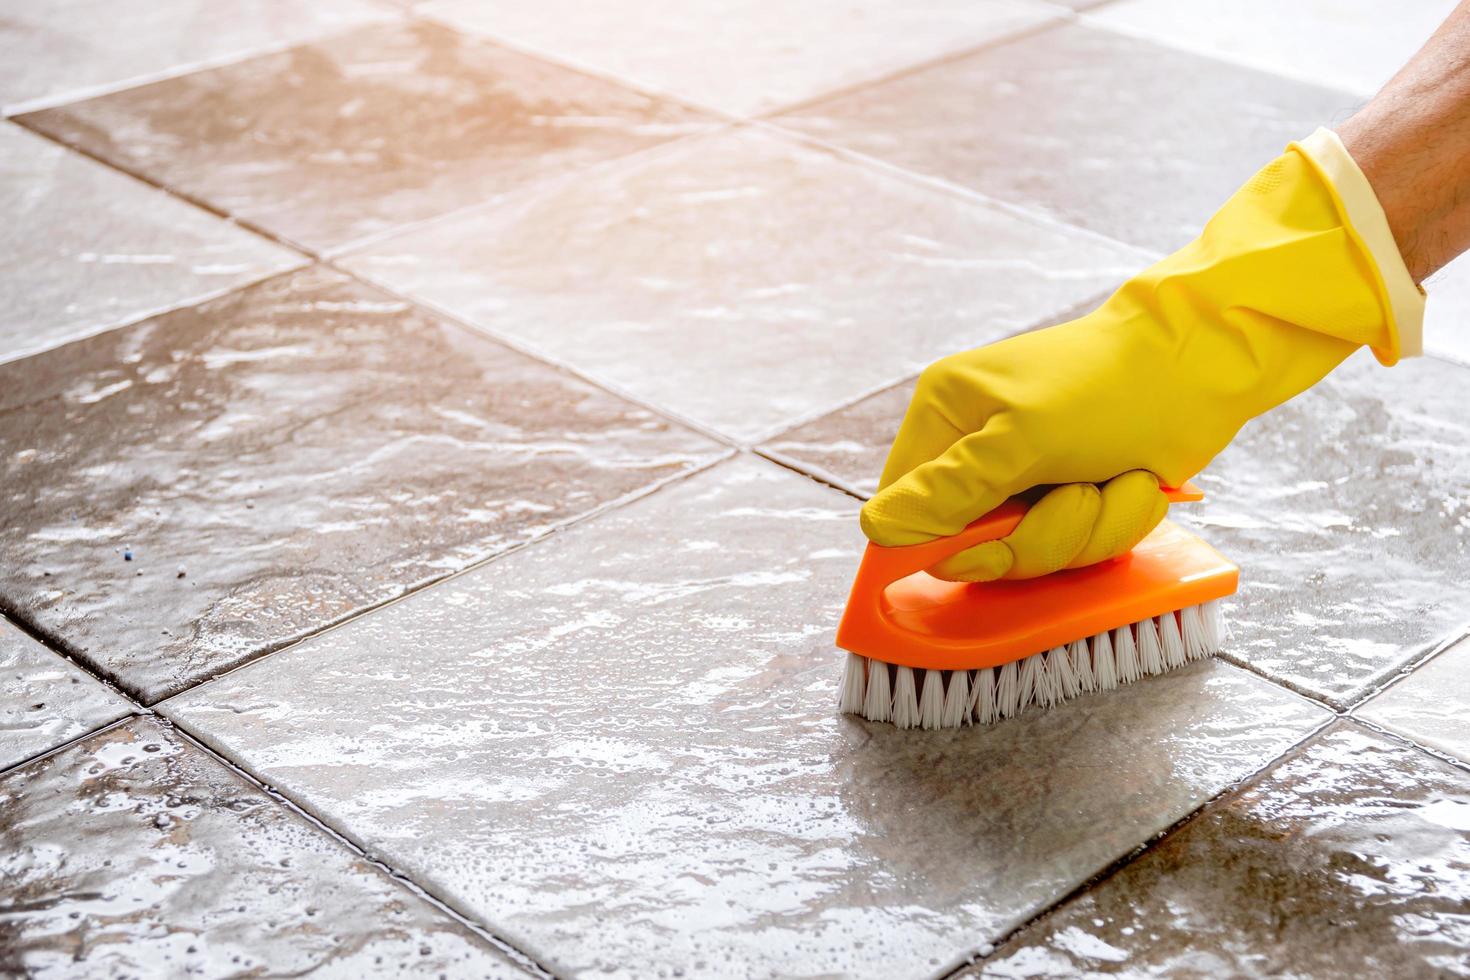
(1171, 642)
(1028, 681)
(931, 701)
(1104, 667)
(952, 699)
(1150, 654)
(854, 684)
(1125, 655)
(1192, 628)
(877, 702)
(1059, 666)
(1080, 653)
(984, 697)
(905, 698)
(1008, 691)
(957, 700)
(1211, 620)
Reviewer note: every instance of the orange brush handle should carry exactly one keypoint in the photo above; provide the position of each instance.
(916, 620)
(888, 565)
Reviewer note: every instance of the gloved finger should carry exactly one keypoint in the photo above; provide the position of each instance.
(1051, 534)
(940, 414)
(1132, 506)
(938, 498)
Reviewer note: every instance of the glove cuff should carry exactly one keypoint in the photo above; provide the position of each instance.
(1366, 222)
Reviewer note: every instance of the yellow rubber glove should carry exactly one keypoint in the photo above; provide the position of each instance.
(1294, 273)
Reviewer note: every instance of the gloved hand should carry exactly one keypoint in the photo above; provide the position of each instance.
(1294, 273)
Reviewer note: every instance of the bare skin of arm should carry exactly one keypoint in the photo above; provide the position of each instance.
(1410, 142)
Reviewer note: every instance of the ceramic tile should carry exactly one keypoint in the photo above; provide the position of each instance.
(343, 138)
(83, 248)
(750, 56)
(848, 447)
(1350, 858)
(1066, 121)
(1354, 45)
(278, 458)
(73, 47)
(743, 281)
(133, 853)
(1348, 510)
(45, 699)
(1447, 312)
(1431, 705)
(646, 773)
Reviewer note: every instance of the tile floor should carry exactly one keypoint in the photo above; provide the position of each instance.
(430, 441)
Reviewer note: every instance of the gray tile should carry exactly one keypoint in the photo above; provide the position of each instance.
(748, 57)
(339, 139)
(83, 247)
(67, 48)
(743, 281)
(1432, 705)
(1354, 45)
(1131, 139)
(848, 447)
(1347, 510)
(645, 771)
(133, 853)
(300, 449)
(45, 699)
(1351, 858)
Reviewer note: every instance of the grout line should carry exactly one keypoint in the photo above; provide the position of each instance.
(1059, 16)
(12, 615)
(1375, 686)
(71, 742)
(387, 13)
(477, 564)
(500, 944)
(1229, 792)
(1437, 754)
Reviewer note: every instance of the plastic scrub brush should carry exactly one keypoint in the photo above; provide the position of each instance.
(926, 653)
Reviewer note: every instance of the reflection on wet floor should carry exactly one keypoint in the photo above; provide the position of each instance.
(308, 308)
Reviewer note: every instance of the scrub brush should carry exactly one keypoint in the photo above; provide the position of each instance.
(926, 653)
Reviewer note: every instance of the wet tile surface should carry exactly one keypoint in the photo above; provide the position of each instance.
(1353, 45)
(1348, 511)
(647, 773)
(748, 57)
(134, 853)
(712, 279)
(1066, 122)
(72, 46)
(298, 450)
(385, 125)
(1432, 705)
(848, 447)
(83, 247)
(1349, 858)
(45, 699)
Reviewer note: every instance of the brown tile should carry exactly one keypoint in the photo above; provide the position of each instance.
(84, 248)
(45, 699)
(1134, 140)
(1350, 858)
(134, 853)
(339, 139)
(300, 449)
(745, 281)
(749, 57)
(68, 48)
